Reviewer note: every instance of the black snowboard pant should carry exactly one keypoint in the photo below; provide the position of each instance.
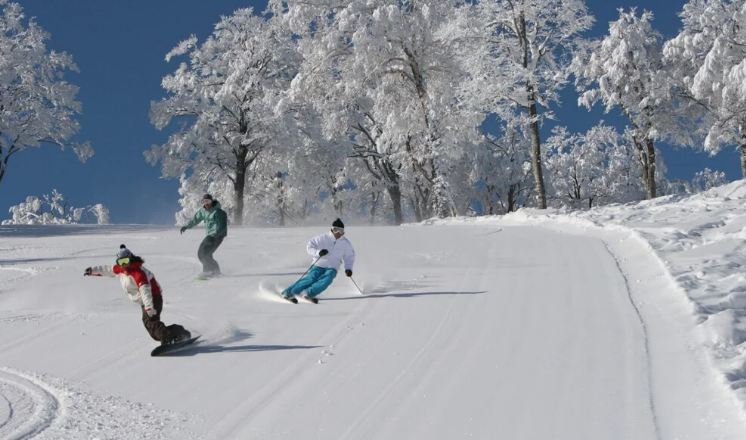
(156, 328)
(208, 247)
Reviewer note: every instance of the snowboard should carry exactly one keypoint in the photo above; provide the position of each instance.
(176, 346)
(207, 276)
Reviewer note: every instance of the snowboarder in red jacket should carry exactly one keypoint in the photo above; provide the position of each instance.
(141, 287)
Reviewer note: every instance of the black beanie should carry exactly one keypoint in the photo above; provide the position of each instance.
(338, 224)
(207, 197)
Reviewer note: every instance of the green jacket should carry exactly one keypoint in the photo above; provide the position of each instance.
(216, 220)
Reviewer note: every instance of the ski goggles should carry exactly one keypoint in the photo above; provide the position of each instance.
(338, 230)
(123, 261)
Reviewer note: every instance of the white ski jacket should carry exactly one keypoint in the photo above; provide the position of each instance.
(137, 282)
(339, 251)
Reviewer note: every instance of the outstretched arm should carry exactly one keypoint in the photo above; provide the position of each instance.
(100, 271)
(198, 217)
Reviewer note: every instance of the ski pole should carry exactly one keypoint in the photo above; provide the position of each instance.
(309, 268)
(356, 286)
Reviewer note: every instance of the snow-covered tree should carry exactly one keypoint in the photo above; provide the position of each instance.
(225, 96)
(501, 170)
(707, 178)
(625, 70)
(37, 106)
(53, 209)
(316, 167)
(709, 55)
(592, 168)
(526, 57)
(384, 75)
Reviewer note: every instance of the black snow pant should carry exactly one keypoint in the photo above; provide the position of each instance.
(208, 247)
(156, 328)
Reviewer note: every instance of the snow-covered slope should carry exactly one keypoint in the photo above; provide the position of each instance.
(525, 327)
(701, 240)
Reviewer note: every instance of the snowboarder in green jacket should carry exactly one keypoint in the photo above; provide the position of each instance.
(216, 226)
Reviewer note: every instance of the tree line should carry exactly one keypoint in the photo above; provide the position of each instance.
(400, 110)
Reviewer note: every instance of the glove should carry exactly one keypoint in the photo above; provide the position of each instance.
(348, 272)
(150, 312)
(183, 228)
(88, 272)
(323, 252)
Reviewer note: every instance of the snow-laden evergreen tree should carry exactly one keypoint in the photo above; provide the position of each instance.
(625, 69)
(592, 168)
(709, 55)
(224, 94)
(525, 58)
(37, 106)
(53, 209)
(384, 74)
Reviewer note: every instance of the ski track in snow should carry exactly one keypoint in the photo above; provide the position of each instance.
(44, 408)
(27, 406)
(427, 346)
(271, 391)
(646, 340)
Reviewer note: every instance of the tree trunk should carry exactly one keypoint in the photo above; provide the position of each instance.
(395, 195)
(374, 197)
(646, 153)
(282, 213)
(4, 159)
(652, 190)
(541, 196)
(239, 186)
(512, 198)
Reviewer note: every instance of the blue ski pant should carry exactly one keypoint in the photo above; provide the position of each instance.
(314, 282)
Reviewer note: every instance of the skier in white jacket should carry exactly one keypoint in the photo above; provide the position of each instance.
(329, 251)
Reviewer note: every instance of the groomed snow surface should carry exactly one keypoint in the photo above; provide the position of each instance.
(625, 322)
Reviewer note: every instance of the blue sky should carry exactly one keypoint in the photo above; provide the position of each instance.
(119, 47)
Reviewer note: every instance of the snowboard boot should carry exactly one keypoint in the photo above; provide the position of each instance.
(183, 335)
(176, 334)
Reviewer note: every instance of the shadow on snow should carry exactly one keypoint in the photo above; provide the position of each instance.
(403, 295)
(199, 349)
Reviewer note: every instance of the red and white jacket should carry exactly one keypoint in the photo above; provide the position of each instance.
(138, 282)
